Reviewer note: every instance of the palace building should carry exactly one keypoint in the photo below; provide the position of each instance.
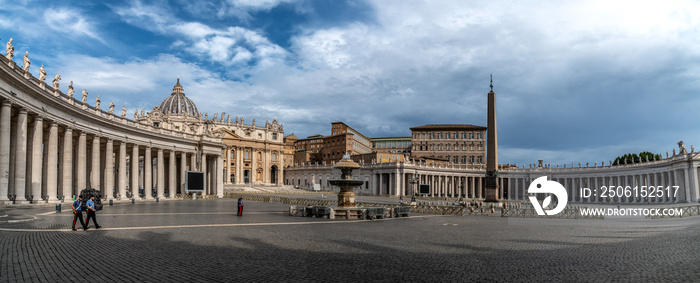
(456, 144)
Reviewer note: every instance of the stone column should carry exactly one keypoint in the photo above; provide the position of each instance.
(67, 177)
(161, 174)
(5, 121)
(471, 187)
(21, 157)
(135, 171)
(122, 181)
(227, 179)
(183, 169)
(148, 173)
(109, 169)
(172, 177)
(36, 157)
(239, 166)
(193, 162)
(95, 164)
(81, 181)
(206, 174)
(219, 179)
(52, 164)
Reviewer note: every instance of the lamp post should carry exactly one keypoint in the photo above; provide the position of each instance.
(413, 180)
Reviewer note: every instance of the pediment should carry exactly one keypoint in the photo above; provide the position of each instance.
(228, 134)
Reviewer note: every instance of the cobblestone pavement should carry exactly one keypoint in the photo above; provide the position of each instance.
(203, 241)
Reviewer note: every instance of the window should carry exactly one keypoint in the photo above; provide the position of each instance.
(448, 135)
(274, 136)
(447, 147)
(456, 159)
(432, 136)
(156, 124)
(471, 159)
(440, 135)
(480, 159)
(274, 157)
(247, 154)
(233, 154)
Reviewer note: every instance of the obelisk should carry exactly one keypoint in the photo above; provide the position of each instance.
(491, 184)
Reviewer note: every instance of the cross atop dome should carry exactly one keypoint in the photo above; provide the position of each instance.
(177, 89)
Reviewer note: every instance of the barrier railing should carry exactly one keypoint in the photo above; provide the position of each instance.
(686, 212)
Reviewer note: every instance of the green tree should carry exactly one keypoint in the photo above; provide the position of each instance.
(634, 158)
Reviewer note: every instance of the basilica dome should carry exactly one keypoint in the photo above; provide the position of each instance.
(178, 104)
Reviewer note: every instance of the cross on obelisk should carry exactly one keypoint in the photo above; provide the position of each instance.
(491, 184)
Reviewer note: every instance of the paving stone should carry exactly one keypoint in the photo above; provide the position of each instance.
(163, 242)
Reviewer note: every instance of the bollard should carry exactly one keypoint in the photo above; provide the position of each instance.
(58, 208)
(133, 201)
(110, 202)
(194, 196)
(347, 214)
(156, 199)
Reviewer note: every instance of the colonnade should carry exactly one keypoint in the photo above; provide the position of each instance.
(667, 181)
(659, 186)
(49, 160)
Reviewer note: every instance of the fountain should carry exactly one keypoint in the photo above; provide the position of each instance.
(346, 197)
(346, 207)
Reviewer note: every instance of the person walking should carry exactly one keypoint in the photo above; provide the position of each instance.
(78, 213)
(91, 213)
(240, 207)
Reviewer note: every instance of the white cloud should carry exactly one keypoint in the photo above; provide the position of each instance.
(229, 46)
(567, 73)
(70, 22)
(257, 5)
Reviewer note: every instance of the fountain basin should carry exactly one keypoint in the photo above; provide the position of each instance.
(346, 197)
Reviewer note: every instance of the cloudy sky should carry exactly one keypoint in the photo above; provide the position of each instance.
(576, 81)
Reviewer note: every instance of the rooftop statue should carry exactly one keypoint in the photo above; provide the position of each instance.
(10, 50)
(123, 111)
(111, 107)
(681, 146)
(71, 91)
(25, 67)
(56, 80)
(97, 102)
(84, 98)
(42, 73)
